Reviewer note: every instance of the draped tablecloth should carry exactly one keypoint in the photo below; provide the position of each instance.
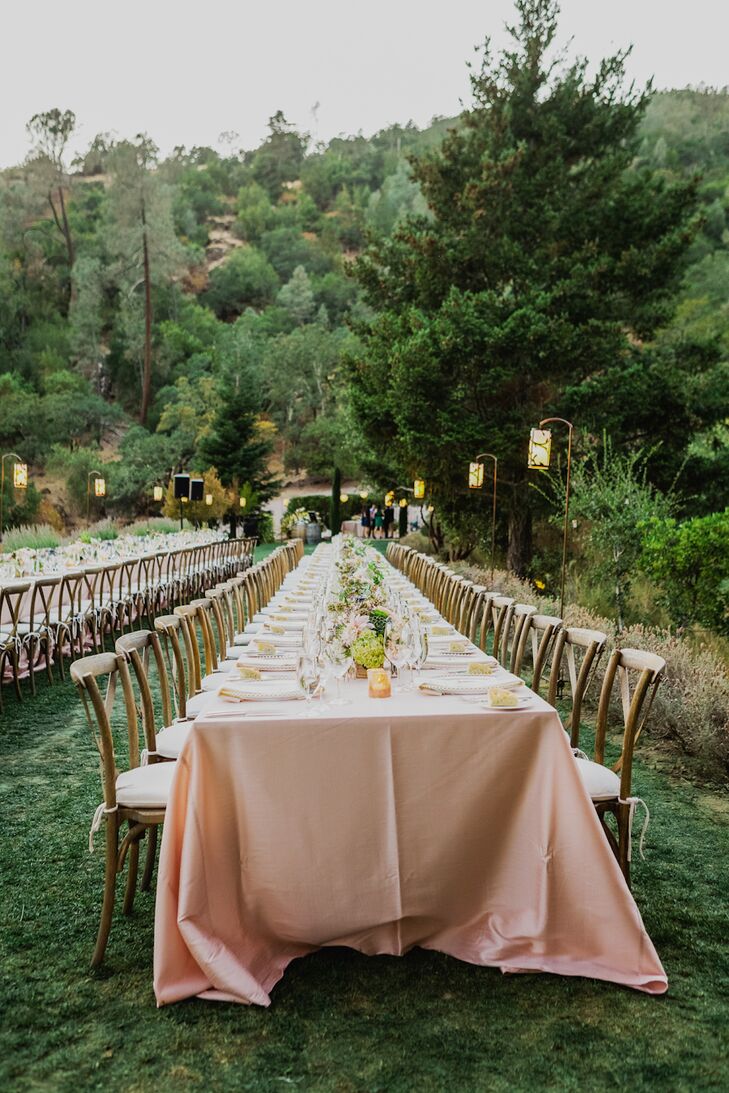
(382, 825)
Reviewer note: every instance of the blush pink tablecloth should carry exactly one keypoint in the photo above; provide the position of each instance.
(384, 825)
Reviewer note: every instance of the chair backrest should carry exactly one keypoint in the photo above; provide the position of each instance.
(189, 620)
(204, 612)
(542, 630)
(135, 647)
(11, 602)
(172, 627)
(85, 674)
(44, 597)
(216, 596)
(568, 644)
(499, 609)
(646, 670)
(516, 619)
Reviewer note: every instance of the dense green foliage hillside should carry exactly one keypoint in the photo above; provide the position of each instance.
(137, 293)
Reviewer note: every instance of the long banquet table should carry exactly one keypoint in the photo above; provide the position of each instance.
(418, 820)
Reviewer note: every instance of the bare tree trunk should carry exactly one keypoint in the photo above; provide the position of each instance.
(65, 230)
(519, 552)
(147, 369)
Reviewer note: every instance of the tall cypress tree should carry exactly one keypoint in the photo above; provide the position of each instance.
(545, 262)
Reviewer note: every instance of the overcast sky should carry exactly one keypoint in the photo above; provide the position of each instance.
(184, 72)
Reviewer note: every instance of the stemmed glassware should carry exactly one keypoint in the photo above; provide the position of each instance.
(397, 650)
(338, 663)
(309, 677)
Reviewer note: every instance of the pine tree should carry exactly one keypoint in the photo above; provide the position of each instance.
(236, 446)
(547, 261)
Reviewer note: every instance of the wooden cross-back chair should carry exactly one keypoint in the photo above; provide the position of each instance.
(35, 629)
(11, 600)
(189, 619)
(541, 631)
(610, 787)
(203, 616)
(515, 621)
(216, 598)
(135, 797)
(173, 631)
(578, 650)
(499, 610)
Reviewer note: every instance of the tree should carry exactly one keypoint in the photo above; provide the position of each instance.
(236, 445)
(141, 237)
(547, 260)
(51, 132)
(690, 563)
(245, 279)
(279, 158)
(297, 296)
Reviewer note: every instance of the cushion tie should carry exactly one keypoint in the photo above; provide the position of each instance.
(101, 811)
(633, 802)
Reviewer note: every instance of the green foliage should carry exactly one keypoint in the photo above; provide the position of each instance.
(689, 561)
(547, 259)
(74, 465)
(255, 213)
(236, 444)
(245, 279)
(314, 502)
(279, 158)
(611, 493)
(145, 460)
(287, 248)
(335, 508)
(297, 296)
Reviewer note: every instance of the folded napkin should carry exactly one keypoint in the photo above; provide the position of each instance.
(464, 685)
(441, 630)
(256, 691)
(271, 642)
(280, 624)
(482, 668)
(264, 663)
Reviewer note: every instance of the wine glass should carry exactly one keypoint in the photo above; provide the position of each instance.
(338, 662)
(419, 649)
(309, 677)
(396, 651)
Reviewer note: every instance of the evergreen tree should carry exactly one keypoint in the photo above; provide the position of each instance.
(549, 258)
(236, 445)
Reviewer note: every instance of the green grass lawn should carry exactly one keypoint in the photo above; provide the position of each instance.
(339, 1021)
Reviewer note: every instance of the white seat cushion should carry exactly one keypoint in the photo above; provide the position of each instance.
(600, 782)
(145, 787)
(197, 703)
(170, 740)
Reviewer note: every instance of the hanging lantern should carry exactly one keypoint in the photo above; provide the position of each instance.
(429, 509)
(540, 448)
(158, 493)
(242, 502)
(418, 489)
(475, 476)
(403, 502)
(363, 494)
(344, 497)
(208, 498)
(99, 487)
(20, 476)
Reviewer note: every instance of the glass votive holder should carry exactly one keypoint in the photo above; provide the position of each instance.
(378, 683)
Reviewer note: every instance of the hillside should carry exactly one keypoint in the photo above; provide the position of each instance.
(246, 269)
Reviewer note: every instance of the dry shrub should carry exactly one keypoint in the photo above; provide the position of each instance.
(691, 707)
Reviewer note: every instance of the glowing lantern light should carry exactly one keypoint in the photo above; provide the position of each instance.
(540, 449)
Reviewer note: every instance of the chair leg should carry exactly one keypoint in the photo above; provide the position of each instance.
(132, 869)
(107, 907)
(150, 858)
(33, 640)
(16, 675)
(47, 653)
(623, 820)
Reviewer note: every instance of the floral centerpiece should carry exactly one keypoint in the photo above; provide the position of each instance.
(359, 608)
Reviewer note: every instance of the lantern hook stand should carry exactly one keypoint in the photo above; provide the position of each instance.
(7, 455)
(570, 430)
(490, 455)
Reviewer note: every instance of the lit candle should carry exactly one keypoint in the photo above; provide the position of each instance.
(378, 683)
